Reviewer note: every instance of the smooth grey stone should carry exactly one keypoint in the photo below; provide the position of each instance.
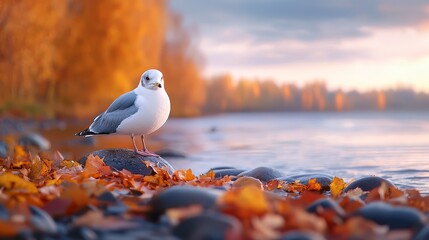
(83, 233)
(323, 179)
(221, 168)
(3, 149)
(227, 172)
(326, 204)
(35, 140)
(4, 214)
(119, 158)
(394, 217)
(302, 235)
(209, 225)
(42, 221)
(368, 183)
(169, 153)
(423, 234)
(264, 174)
(182, 196)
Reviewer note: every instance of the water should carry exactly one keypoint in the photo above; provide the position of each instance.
(349, 145)
(393, 145)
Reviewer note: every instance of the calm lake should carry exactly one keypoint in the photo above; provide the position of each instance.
(393, 145)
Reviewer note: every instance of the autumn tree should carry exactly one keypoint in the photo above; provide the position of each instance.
(27, 52)
(181, 64)
(104, 46)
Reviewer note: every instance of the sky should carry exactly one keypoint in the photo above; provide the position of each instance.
(361, 45)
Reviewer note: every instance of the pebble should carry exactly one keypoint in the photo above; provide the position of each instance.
(323, 179)
(394, 217)
(302, 235)
(4, 214)
(247, 181)
(182, 196)
(264, 174)
(42, 221)
(35, 140)
(324, 204)
(208, 225)
(3, 149)
(227, 172)
(368, 183)
(423, 234)
(83, 233)
(119, 159)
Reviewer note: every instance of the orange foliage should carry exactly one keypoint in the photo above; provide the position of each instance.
(339, 101)
(80, 55)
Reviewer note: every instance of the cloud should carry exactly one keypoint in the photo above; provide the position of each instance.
(297, 19)
(349, 43)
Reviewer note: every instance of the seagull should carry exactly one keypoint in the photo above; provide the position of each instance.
(139, 112)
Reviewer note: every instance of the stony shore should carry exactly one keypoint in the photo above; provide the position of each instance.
(114, 193)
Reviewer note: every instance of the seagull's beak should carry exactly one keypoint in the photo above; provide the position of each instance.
(157, 85)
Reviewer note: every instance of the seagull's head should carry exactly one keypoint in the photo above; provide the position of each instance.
(152, 79)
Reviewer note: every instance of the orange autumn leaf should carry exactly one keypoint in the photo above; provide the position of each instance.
(11, 181)
(183, 175)
(337, 185)
(313, 185)
(39, 168)
(247, 200)
(210, 174)
(19, 151)
(95, 167)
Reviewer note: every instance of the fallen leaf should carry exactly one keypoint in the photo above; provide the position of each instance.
(337, 185)
(10, 182)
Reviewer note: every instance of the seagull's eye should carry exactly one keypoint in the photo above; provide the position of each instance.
(147, 78)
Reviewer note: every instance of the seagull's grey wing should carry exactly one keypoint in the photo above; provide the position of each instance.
(121, 108)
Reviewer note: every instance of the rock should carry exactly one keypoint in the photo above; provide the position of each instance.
(82, 233)
(4, 214)
(264, 174)
(35, 140)
(247, 181)
(221, 168)
(119, 159)
(423, 234)
(107, 197)
(3, 149)
(169, 153)
(182, 196)
(326, 204)
(302, 235)
(322, 178)
(368, 183)
(208, 225)
(42, 221)
(227, 172)
(394, 217)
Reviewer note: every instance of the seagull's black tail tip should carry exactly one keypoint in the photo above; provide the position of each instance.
(85, 132)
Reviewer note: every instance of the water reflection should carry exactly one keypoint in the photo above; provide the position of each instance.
(349, 145)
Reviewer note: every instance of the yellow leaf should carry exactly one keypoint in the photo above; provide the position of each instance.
(210, 174)
(313, 185)
(337, 185)
(10, 181)
(247, 199)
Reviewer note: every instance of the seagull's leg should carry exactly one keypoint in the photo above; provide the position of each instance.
(146, 152)
(134, 143)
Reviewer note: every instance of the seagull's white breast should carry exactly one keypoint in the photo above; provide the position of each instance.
(153, 111)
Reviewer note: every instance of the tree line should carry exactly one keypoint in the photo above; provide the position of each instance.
(224, 94)
(72, 58)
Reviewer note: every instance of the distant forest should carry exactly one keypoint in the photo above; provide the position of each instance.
(72, 58)
(226, 95)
